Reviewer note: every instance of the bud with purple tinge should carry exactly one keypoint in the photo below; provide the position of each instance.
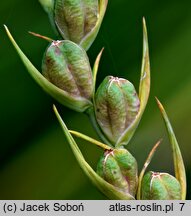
(76, 20)
(66, 65)
(117, 105)
(160, 186)
(119, 168)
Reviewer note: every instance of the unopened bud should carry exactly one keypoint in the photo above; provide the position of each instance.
(119, 168)
(160, 186)
(67, 66)
(117, 105)
(79, 20)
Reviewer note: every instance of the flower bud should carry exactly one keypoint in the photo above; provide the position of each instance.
(119, 168)
(160, 186)
(117, 105)
(79, 20)
(66, 65)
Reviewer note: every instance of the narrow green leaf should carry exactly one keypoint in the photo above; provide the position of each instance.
(144, 89)
(147, 162)
(95, 68)
(177, 156)
(79, 104)
(89, 139)
(100, 183)
(89, 38)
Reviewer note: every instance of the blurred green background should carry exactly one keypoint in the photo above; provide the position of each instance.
(35, 159)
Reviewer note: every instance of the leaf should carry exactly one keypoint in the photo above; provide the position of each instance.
(177, 156)
(147, 162)
(100, 183)
(96, 66)
(144, 89)
(79, 104)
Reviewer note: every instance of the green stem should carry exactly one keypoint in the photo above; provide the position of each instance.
(91, 115)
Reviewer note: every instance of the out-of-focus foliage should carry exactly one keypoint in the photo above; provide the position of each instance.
(35, 159)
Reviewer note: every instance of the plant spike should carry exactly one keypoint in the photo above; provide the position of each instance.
(177, 156)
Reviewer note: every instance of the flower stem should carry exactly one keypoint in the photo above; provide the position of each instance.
(91, 115)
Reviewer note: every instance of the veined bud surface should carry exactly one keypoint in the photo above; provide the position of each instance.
(79, 20)
(117, 105)
(160, 186)
(119, 168)
(67, 66)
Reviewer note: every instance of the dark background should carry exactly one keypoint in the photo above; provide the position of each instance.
(35, 159)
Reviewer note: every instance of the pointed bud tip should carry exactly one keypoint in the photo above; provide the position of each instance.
(40, 36)
(159, 105)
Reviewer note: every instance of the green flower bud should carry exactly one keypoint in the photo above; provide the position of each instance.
(117, 105)
(66, 65)
(160, 186)
(119, 168)
(79, 20)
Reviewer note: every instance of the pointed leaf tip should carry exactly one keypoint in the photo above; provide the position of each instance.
(144, 89)
(96, 66)
(177, 156)
(146, 164)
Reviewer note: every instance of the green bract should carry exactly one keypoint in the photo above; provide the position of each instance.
(179, 167)
(119, 168)
(160, 186)
(116, 106)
